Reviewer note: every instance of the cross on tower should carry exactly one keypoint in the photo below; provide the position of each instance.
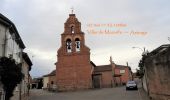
(72, 10)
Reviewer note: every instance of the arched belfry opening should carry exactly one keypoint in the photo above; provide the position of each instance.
(72, 29)
(68, 45)
(77, 42)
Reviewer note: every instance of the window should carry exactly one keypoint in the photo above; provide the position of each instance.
(72, 29)
(52, 82)
(122, 71)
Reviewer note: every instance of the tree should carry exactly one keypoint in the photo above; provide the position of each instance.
(10, 74)
(141, 65)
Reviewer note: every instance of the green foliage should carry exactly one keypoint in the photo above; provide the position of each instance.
(10, 74)
(141, 65)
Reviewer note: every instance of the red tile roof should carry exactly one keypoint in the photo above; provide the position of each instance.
(121, 66)
(103, 68)
(53, 73)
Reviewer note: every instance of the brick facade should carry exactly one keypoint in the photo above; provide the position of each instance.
(103, 76)
(111, 75)
(73, 69)
(124, 72)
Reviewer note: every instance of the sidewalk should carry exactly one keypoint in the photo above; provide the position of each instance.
(143, 94)
(16, 96)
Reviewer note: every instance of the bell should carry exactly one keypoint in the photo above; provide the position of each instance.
(78, 45)
(69, 47)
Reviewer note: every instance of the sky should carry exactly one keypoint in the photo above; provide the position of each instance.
(40, 24)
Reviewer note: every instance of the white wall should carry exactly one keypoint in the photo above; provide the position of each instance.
(144, 82)
(45, 82)
(25, 70)
(3, 30)
(12, 48)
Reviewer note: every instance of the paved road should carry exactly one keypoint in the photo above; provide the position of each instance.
(118, 93)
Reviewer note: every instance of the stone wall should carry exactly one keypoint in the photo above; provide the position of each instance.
(158, 72)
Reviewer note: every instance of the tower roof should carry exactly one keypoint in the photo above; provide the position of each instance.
(72, 25)
(72, 19)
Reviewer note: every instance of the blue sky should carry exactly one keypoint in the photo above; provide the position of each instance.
(40, 23)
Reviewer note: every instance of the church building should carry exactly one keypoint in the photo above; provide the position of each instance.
(75, 71)
(73, 68)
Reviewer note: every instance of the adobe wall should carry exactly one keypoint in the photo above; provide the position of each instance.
(107, 79)
(158, 72)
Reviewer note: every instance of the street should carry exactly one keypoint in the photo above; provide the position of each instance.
(118, 93)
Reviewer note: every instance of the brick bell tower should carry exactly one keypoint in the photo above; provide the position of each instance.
(73, 69)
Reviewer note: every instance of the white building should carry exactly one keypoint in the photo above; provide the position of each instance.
(45, 82)
(26, 67)
(12, 45)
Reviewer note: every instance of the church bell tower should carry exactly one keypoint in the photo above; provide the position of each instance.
(73, 68)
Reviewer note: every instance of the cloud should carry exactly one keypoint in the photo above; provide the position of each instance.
(40, 23)
(43, 61)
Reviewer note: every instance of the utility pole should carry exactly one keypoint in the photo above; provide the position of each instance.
(127, 64)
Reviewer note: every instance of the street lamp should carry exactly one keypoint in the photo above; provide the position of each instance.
(145, 71)
(143, 50)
